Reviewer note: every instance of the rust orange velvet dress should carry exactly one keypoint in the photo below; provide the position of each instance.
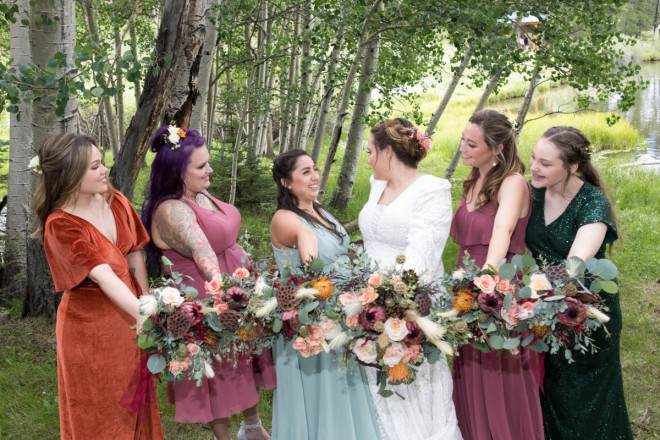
(96, 352)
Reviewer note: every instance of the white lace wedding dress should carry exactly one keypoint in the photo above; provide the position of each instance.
(415, 224)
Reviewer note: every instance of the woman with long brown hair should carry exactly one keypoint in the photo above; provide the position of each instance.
(92, 237)
(496, 395)
(571, 216)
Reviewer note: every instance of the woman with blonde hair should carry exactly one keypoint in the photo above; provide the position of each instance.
(92, 238)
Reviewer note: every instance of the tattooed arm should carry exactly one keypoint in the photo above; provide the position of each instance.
(177, 228)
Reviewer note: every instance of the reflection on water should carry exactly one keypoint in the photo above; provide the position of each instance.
(644, 116)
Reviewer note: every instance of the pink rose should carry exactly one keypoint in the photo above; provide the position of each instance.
(412, 354)
(485, 283)
(396, 329)
(241, 273)
(375, 280)
(300, 344)
(347, 299)
(395, 279)
(365, 350)
(214, 285)
(193, 349)
(510, 316)
(526, 311)
(220, 306)
(353, 322)
(393, 354)
(426, 144)
(315, 337)
(503, 286)
(172, 296)
(419, 135)
(368, 296)
(177, 368)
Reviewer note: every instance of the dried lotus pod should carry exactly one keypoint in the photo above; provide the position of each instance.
(423, 304)
(286, 297)
(588, 298)
(178, 324)
(557, 272)
(229, 320)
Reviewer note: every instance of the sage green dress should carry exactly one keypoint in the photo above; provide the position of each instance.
(319, 397)
(583, 400)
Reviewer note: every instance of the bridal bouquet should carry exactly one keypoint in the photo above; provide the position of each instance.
(179, 343)
(385, 318)
(522, 305)
(299, 305)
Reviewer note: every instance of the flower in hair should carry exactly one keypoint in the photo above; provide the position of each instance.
(426, 144)
(34, 164)
(174, 135)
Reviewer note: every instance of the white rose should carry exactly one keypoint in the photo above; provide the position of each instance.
(396, 329)
(539, 282)
(458, 274)
(170, 295)
(393, 354)
(329, 328)
(365, 351)
(173, 136)
(148, 305)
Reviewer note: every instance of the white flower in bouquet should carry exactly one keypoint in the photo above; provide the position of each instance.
(396, 329)
(458, 274)
(593, 312)
(393, 354)
(208, 370)
(171, 296)
(365, 350)
(148, 305)
(259, 286)
(539, 282)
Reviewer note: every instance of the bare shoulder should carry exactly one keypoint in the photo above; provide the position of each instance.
(284, 219)
(515, 184)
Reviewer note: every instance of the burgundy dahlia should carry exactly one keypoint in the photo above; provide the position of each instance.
(489, 302)
(574, 314)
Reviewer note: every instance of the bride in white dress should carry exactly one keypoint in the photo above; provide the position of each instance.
(409, 213)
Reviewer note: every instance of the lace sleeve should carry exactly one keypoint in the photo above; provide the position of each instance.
(429, 228)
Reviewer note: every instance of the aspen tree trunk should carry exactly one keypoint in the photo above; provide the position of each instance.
(136, 85)
(206, 65)
(305, 84)
(480, 105)
(18, 187)
(237, 143)
(294, 98)
(210, 105)
(456, 77)
(354, 143)
(345, 97)
(527, 100)
(45, 42)
(170, 89)
(262, 101)
(329, 89)
(120, 87)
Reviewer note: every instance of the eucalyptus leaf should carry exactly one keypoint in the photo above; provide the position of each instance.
(156, 363)
(507, 271)
(525, 293)
(508, 299)
(277, 325)
(528, 340)
(512, 343)
(316, 265)
(497, 342)
(608, 286)
(554, 298)
(303, 316)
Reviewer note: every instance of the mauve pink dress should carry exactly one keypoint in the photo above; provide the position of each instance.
(232, 390)
(496, 395)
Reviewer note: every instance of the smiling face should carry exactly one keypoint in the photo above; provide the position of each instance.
(196, 177)
(94, 181)
(304, 181)
(547, 167)
(474, 148)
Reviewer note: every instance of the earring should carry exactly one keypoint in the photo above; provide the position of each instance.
(289, 187)
(495, 163)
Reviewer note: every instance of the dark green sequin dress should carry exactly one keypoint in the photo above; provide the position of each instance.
(583, 400)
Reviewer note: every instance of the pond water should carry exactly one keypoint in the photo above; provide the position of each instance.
(644, 116)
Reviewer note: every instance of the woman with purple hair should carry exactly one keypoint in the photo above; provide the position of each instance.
(198, 232)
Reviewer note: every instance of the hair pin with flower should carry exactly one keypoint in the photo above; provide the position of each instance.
(34, 164)
(425, 142)
(174, 135)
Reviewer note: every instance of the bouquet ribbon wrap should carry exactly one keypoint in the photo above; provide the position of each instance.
(138, 394)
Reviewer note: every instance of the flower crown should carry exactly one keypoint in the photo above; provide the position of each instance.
(174, 135)
(425, 142)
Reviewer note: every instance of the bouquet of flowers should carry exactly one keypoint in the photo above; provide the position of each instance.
(299, 305)
(522, 305)
(385, 316)
(175, 335)
(228, 298)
